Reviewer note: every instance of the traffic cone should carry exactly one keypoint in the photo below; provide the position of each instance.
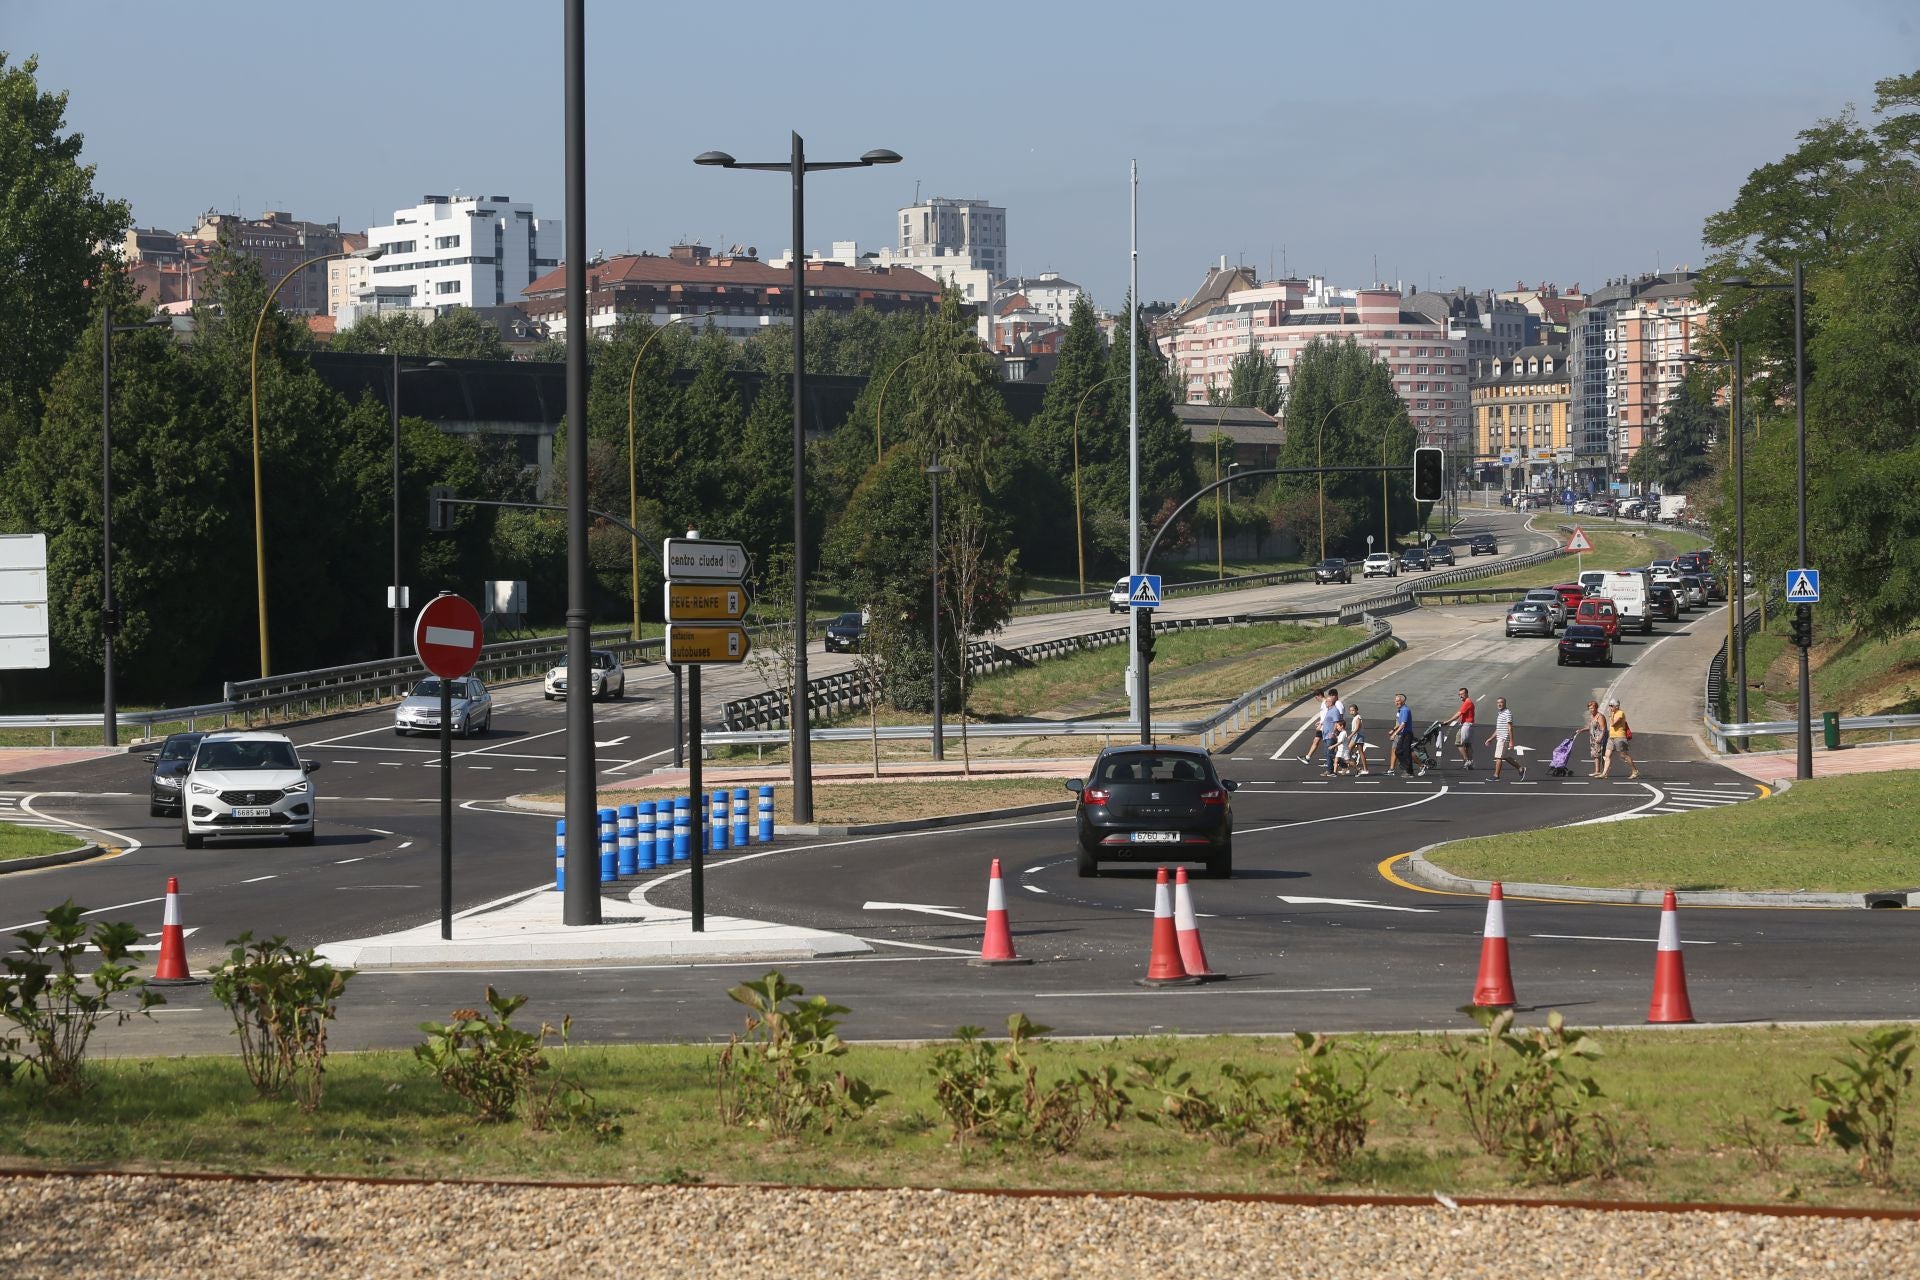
(1670, 1003)
(997, 946)
(1164, 967)
(1493, 988)
(1193, 956)
(172, 968)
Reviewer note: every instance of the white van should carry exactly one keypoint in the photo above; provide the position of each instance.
(1628, 589)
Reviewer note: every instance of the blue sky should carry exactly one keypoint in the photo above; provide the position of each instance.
(1453, 144)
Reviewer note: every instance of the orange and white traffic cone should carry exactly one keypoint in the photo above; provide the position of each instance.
(1670, 1003)
(1164, 967)
(1493, 988)
(172, 967)
(1193, 956)
(997, 946)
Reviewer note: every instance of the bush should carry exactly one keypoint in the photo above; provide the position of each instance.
(777, 1075)
(55, 1008)
(1858, 1107)
(997, 1094)
(281, 1001)
(497, 1068)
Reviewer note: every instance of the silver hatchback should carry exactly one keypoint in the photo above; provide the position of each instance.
(419, 711)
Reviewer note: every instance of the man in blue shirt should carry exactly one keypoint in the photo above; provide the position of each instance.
(1400, 737)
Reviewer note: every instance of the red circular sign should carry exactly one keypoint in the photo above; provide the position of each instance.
(447, 636)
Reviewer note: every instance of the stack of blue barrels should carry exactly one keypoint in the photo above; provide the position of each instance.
(654, 835)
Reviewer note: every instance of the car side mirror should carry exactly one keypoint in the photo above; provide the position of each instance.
(152, 759)
(1076, 785)
(309, 765)
(1229, 784)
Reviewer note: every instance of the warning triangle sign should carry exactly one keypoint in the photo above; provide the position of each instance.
(1146, 593)
(1578, 542)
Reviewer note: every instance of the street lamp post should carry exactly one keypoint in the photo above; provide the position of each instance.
(633, 482)
(109, 607)
(397, 605)
(1804, 747)
(253, 392)
(1079, 536)
(797, 167)
(1319, 437)
(880, 403)
(934, 472)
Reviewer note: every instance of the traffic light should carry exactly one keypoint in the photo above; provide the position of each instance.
(439, 509)
(112, 616)
(1143, 637)
(1801, 628)
(1429, 473)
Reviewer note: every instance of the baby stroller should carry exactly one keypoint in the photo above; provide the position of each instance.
(1426, 748)
(1558, 762)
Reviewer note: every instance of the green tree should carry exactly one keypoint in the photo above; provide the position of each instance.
(956, 416)
(1339, 405)
(1677, 457)
(459, 333)
(55, 230)
(1253, 382)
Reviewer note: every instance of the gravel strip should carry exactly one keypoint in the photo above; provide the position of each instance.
(157, 1228)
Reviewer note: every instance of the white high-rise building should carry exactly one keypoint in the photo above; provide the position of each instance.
(940, 228)
(453, 251)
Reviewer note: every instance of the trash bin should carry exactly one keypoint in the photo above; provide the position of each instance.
(1830, 729)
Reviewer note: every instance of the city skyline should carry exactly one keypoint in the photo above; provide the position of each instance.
(1521, 145)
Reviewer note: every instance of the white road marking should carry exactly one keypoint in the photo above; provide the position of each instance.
(481, 767)
(1352, 902)
(377, 831)
(1601, 937)
(1214, 990)
(922, 908)
(612, 742)
(915, 946)
(1033, 888)
(1338, 817)
(35, 924)
(344, 861)
(406, 844)
(258, 879)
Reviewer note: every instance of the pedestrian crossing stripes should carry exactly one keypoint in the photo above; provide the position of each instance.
(1686, 798)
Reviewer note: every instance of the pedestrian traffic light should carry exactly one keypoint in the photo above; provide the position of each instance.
(1143, 637)
(1429, 473)
(440, 509)
(1801, 636)
(112, 616)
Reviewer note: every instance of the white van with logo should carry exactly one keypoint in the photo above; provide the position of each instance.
(1629, 591)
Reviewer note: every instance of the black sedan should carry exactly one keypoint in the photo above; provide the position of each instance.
(1585, 644)
(1663, 602)
(845, 633)
(1483, 544)
(1440, 553)
(1414, 558)
(1154, 804)
(1333, 569)
(169, 773)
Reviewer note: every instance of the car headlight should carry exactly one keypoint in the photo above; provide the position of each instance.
(298, 788)
(202, 788)
(167, 780)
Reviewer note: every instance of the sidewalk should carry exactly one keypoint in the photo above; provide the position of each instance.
(18, 760)
(1872, 757)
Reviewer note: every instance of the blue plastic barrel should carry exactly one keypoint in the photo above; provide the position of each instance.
(609, 846)
(682, 828)
(739, 817)
(559, 854)
(766, 816)
(628, 861)
(717, 822)
(643, 836)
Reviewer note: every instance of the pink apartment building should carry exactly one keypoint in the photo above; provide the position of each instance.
(1231, 316)
(1645, 343)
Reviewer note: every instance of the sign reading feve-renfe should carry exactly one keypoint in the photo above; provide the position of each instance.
(701, 560)
(706, 602)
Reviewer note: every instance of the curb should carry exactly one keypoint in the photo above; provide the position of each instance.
(1425, 874)
(82, 854)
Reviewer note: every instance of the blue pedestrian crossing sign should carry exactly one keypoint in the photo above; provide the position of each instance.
(1143, 591)
(1803, 586)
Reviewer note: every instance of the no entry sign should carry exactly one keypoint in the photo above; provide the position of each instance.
(447, 636)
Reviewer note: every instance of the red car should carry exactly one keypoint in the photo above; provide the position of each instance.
(1598, 611)
(1571, 594)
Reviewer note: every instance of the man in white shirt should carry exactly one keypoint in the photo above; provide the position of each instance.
(1501, 740)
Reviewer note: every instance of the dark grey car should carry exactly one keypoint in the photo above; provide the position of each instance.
(1154, 804)
(169, 773)
(1529, 617)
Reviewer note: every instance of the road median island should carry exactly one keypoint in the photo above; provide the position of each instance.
(1851, 835)
(22, 848)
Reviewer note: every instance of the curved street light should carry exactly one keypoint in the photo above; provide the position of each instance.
(253, 388)
(633, 490)
(1079, 540)
(881, 401)
(1319, 438)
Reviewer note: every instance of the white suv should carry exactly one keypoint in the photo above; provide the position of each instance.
(247, 784)
(1379, 564)
(609, 677)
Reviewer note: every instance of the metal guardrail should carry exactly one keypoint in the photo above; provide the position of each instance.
(1230, 719)
(1724, 735)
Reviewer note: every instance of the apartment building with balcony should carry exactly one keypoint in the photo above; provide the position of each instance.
(971, 231)
(1521, 431)
(1593, 357)
(451, 251)
(1651, 336)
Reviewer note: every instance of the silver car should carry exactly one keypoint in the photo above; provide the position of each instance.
(419, 711)
(1529, 617)
(1555, 605)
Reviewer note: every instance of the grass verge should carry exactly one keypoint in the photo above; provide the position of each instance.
(1678, 1098)
(32, 842)
(1830, 835)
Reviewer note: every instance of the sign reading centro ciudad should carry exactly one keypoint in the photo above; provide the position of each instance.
(706, 596)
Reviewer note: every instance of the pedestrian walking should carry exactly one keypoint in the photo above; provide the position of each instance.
(1596, 737)
(1501, 739)
(1619, 739)
(1356, 741)
(1319, 726)
(1400, 737)
(1331, 721)
(1464, 739)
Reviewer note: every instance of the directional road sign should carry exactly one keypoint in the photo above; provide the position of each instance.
(1143, 591)
(1578, 542)
(447, 636)
(704, 560)
(706, 602)
(693, 643)
(1803, 586)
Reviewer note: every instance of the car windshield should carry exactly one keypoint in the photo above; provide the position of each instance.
(1152, 768)
(179, 748)
(1583, 633)
(431, 688)
(1529, 606)
(847, 620)
(230, 757)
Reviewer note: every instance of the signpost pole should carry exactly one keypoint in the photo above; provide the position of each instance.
(679, 721)
(446, 809)
(447, 635)
(697, 878)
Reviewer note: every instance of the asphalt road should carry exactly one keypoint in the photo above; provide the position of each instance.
(1310, 931)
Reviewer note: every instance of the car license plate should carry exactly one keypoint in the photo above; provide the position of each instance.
(1156, 837)
(253, 811)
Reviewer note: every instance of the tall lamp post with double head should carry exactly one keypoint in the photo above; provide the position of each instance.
(396, 604)
(797, 167)
(253, 394)
(1804, 748)
(1319, 460)
(1736, 581)
(1079, 535)
(109, 607)
(633, 478)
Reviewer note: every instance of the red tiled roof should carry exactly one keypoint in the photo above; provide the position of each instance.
(746, 273)
(1558, 310)
(321, 326)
